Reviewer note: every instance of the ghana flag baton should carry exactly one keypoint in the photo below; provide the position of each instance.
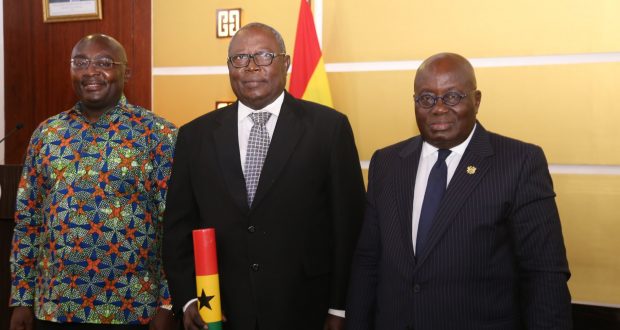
(207, 278)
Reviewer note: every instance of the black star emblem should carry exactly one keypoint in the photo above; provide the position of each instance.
(204, 301)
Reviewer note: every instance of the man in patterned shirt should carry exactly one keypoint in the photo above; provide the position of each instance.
(87, 241)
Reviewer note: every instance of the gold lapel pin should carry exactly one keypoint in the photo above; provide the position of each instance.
(471, 169)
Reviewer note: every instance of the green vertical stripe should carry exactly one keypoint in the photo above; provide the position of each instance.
(215, 325)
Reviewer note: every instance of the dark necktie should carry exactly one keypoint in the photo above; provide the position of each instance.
(258, 144)
(435, 188)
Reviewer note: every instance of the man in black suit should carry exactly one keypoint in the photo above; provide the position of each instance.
(491, 255)
(285, 248)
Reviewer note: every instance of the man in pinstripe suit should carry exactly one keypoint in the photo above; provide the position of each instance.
(493, 256)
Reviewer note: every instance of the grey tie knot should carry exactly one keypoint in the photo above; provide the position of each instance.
(260, 118)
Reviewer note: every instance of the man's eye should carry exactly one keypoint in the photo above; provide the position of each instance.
(427, 97)
(104, 64)
(264, 55)
(451, 96)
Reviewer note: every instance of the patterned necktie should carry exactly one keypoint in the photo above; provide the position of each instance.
(258, 144)
(435, 188)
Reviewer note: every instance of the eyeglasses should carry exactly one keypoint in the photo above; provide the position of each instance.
(100, 63)
(260, 59)
(428, 101)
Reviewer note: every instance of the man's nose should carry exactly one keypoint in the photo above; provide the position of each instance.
(252, 66)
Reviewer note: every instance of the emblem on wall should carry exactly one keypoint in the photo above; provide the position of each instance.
(228, 22)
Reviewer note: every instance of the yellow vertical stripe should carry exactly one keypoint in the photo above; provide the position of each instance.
(318, 86)
(209, 301)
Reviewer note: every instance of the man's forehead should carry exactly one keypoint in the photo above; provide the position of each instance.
(447, 71)
(253, 36)
(99, 46)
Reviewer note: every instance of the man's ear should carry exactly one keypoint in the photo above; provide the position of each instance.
(127, 73)
(287, 60)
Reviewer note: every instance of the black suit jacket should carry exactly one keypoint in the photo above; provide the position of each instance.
(284, 262)
(495, 257)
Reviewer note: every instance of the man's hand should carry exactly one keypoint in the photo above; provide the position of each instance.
(333, 322)
(163, 320)
(22, 318)
(192, 319)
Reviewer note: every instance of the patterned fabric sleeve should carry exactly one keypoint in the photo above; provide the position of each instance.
(28, 222)
(162, 156)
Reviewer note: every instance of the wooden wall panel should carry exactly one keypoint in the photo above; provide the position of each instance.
(37, 54)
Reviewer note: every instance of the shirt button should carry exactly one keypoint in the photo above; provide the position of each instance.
(255, 267)
(251, 229)
(416, 288)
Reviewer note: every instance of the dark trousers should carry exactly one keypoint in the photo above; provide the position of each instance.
(46, 325)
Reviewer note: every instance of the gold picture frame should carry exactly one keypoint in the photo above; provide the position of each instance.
(71, 10)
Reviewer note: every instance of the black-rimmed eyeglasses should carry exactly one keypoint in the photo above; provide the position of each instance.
(260, 59)
(79, 63)
(428, 100)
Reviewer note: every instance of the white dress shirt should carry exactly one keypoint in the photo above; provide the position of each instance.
(428, 157)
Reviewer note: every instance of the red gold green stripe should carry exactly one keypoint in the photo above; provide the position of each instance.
(207, 278)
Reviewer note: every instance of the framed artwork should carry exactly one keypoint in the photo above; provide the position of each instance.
(71, 10)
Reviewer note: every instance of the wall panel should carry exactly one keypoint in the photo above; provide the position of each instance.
(184, 35)
(401, 30)
(37, 54)
(182, 99)
(569, 110)
(590, 209)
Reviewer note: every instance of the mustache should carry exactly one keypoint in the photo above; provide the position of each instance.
(91, 81)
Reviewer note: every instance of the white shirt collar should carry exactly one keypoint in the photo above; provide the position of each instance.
(274, 108)
(428, 149)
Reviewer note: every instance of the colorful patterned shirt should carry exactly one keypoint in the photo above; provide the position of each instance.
(88, 233)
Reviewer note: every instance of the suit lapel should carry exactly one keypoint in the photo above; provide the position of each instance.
(227, 149)
(461, 185)
(404, 181)
(288, 131)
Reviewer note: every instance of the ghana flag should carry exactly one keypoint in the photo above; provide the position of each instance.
(308, 76)
(207, 278)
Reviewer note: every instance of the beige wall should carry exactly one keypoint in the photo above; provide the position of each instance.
(571, 110)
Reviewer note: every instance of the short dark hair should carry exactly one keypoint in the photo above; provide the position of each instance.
(257, 25)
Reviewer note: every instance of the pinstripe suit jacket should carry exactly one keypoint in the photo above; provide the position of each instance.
(495, 256)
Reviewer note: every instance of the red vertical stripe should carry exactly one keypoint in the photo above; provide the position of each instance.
(307, 52)
(205, 254)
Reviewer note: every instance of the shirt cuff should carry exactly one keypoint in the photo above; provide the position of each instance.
(336, 312)
(189, 303)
